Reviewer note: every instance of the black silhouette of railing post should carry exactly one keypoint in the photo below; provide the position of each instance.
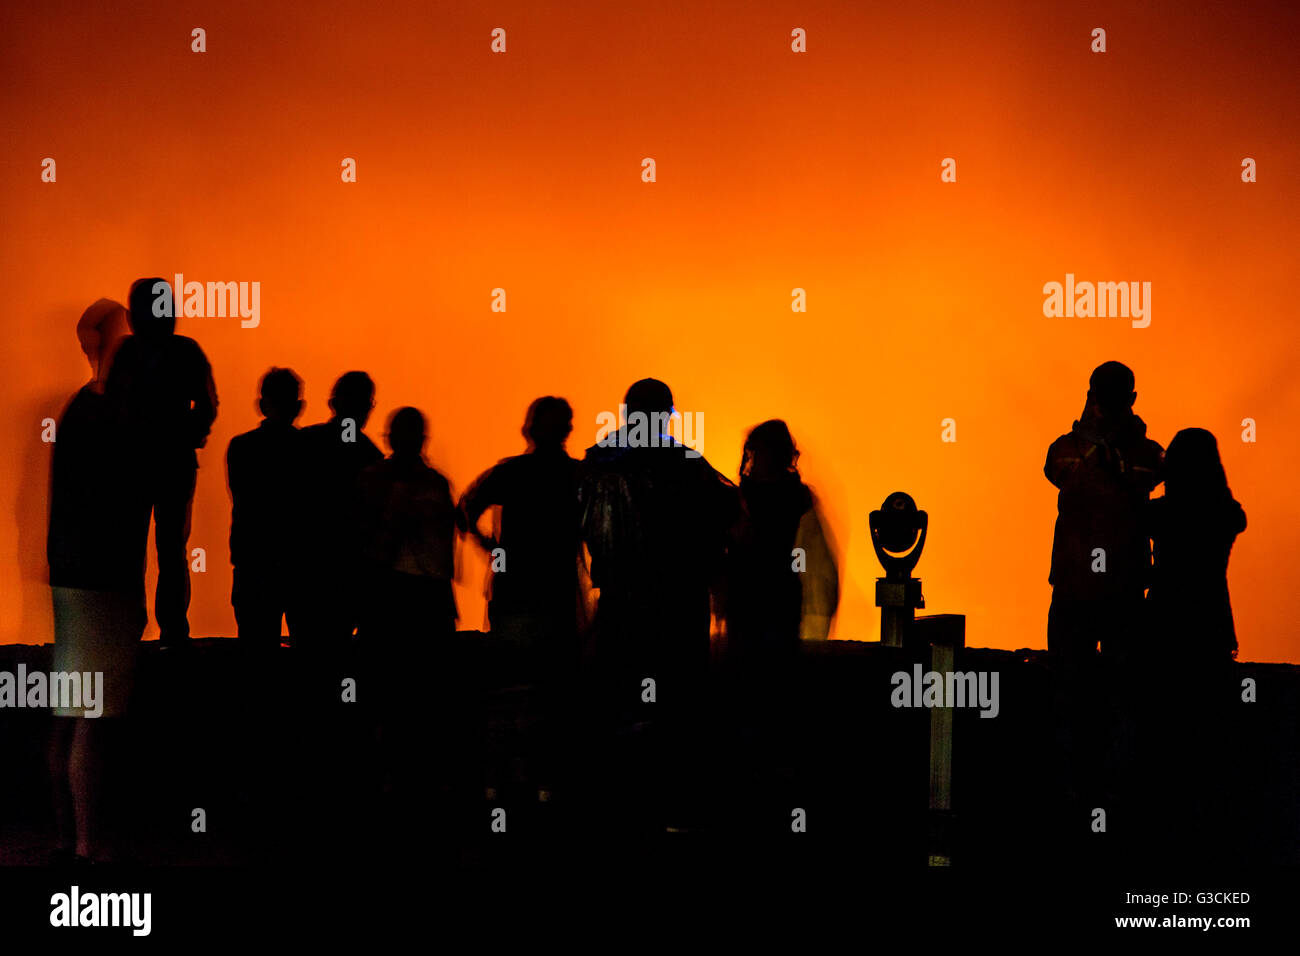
(944, 635)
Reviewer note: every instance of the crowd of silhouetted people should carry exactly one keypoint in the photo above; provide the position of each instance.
(605, 570)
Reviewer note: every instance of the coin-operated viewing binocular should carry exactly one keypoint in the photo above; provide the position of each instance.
(898, 534)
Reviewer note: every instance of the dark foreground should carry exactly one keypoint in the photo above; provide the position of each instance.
(375, 801)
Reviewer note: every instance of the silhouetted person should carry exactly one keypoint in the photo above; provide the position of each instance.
(775, 594)
(782, 585)
(1193, 527)
(535, 589)
(1189, 682)
(655, 517)
(162, 389)
(267, 483)
(407, 520)
(1105, 468)
(96, 563)
(335, 454)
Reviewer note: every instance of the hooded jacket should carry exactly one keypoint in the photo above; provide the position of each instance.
(1105, 470)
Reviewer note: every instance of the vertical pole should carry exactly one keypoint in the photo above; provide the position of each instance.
(944, 633)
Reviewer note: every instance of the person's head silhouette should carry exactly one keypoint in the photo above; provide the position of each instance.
(770, 452)
(406, 433)
(100, 331)
(153, 313)
(1110, 389)
(281, 396)
(1193, 468)
(650, 397)
(353, 397)
(548, 423)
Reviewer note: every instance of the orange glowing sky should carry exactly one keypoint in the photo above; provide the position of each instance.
(775, 170)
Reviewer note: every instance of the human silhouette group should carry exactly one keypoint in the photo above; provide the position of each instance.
(637, 561)
(1140, 625)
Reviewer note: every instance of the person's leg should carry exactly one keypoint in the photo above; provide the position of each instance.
(172, 509)
(58, 754)
(257, 613)
(86, 783)
(1071, 644)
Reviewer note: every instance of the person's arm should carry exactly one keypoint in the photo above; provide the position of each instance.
(1145, 471)
(1063, 462)
(234, 480)
(204, 412)
(478, 497)
(820, 579)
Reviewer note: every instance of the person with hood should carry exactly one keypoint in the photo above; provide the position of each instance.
(162, 391)
(1106, 469)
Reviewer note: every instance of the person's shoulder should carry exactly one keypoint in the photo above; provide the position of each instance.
(318, 434)
(437, 480)
(603, 459)
(368, 447)
(1068, 440)
(85, 403)
(807, 497)
(707, 471)
(243, 439)
(379, 468)
(125, 355)
(186, 345)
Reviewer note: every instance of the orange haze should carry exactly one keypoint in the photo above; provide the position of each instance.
(775, 170)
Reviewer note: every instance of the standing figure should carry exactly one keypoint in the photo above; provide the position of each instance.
(782, 584)
(1193, 527)
(407, 619)
(96, 560)
(162, 390)
(782, 588)
(334, 455)
(1193, 693)
(264, 468)
(534, 591)
(533, 607)
(1105, 468)
(654, 517)
(407, 525)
